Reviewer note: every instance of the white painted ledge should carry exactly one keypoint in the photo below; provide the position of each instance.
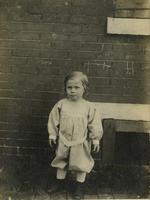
(130, 26)
(124, 111)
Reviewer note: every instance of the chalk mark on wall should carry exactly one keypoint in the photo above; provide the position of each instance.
(130, 68)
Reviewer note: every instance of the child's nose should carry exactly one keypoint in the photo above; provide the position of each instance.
(73, 90)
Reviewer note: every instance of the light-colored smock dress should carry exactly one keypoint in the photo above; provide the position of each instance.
(76, 124)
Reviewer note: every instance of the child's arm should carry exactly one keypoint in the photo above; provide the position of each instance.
(53, 124)
(95, 129)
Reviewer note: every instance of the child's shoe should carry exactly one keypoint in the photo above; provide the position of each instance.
(59, 186)
(78, 194)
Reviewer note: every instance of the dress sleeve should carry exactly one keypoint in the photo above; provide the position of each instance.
(95, 129)
(53, 121)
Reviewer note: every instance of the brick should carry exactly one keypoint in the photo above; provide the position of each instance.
(4, 34)
(21, 11)
(94, 28)
(55, 18)
(136, 4)
(27, 44)
(27, 17)
(57, 9)
(29, 26)
(43, 94)
(5, 76)
(83, 2)
(26, 52)
(9, 127)
(44, 70)
(100, 81)
(84, 19)
(83, 54)
(26, 81)
(133, 13)
(26, 35)
(67, 28)
(122, 55)
(114, 40)
(91, 46)
(128, 47)
(5, 85)
(84, 37)
(62, 44)
(110, 55)
(7, 93)
(24, 135)
(5, 52)
(137, 56)
(90, 10)
(30, 151)
(73, 8)
(133, 91)
(25, 126)
(10, 60)
(8, 3)
(34, 6)
(8, 150)
(115, 98)
(16, 105)
(50, 63)
(105, 90)
(23, 142)
(14, 118)
(53, 36)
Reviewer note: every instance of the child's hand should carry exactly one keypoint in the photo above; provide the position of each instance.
(96, 148)
(52, 142)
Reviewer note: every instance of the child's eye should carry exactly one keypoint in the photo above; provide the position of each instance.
(69, 87)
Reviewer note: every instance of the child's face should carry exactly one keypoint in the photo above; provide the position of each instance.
(74, 89)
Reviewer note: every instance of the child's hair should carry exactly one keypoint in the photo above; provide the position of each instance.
(81, 76)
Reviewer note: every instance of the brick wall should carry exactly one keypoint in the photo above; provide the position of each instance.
(41, 41)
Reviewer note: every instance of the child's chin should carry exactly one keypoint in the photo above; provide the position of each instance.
(73, 98)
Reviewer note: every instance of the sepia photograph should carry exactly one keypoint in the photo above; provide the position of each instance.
(74, 99)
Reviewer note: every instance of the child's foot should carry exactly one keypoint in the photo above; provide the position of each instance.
(78, 194)
(59, 186)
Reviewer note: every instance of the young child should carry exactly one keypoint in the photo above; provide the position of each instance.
(76, 124)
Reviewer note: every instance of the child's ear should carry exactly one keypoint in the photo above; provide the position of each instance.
(86, 91)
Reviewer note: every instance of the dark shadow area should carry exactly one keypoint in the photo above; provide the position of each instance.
(21, 174)
(132, 148)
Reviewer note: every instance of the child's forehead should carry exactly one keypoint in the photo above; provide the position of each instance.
(74, 81)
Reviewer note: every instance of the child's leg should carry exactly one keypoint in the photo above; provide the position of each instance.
(80, 179)
(80, 176)
(61, 173)
(60, 184)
